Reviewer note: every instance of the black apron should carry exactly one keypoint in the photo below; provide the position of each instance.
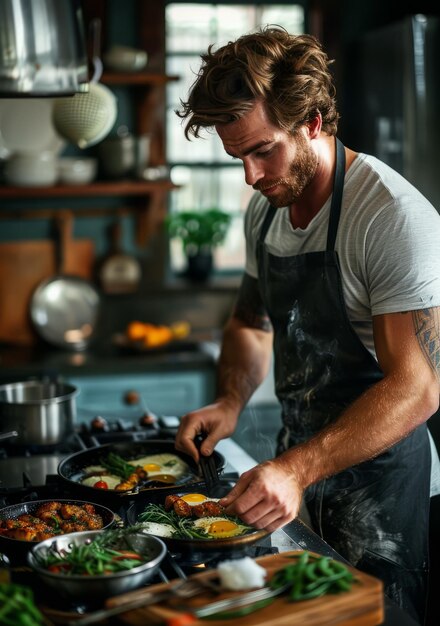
(374, 514)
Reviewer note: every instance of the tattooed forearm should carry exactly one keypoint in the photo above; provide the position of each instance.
(249, 307)
(427, 327)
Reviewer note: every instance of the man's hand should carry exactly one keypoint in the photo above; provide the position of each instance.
(267, 496)
(216, 420)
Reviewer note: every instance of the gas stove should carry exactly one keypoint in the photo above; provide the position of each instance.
(25, 465)
(31, 474)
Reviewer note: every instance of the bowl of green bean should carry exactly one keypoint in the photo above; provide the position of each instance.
(88, 567)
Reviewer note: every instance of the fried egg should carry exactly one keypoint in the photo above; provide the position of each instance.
(197, 498)
(163, 464)
(220, 527)
(159, 530)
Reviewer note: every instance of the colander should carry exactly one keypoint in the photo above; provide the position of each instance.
(86, 118)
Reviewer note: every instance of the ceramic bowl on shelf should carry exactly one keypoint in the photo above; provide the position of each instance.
(34, 169)
(125, 59)
(77, 170)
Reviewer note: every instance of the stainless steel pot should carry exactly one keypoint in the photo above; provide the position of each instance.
(43, 413)
(42, 48)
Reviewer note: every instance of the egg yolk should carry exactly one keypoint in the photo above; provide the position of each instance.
(218, 528)
(152, 467)
(194, 497)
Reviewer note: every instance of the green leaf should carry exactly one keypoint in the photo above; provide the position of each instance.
(199, 229)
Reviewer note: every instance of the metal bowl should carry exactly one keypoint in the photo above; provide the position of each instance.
(16, 549)
(91, 591)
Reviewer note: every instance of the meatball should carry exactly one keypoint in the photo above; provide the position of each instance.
(208, 509)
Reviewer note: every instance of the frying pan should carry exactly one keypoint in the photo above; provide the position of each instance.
(71, 470)
(16, 549)
(196, 550)
(64, 308)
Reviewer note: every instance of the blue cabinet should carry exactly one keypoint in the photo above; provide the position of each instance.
(128, 396)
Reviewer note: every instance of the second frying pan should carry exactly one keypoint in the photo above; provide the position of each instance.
(64, 308)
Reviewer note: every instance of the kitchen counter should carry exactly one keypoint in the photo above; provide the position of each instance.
(295, 535)
(298, 534)
(18, 363)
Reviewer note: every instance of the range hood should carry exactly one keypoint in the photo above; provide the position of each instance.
(42, 48)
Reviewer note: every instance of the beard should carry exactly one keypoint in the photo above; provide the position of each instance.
(300, 173)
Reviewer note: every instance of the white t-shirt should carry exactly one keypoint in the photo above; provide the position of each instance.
(387, 244)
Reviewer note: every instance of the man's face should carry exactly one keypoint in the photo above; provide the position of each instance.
(278, 164)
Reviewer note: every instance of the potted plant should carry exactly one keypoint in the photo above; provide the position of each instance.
(199, 232)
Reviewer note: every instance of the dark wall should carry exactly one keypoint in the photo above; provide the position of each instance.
(340, 24)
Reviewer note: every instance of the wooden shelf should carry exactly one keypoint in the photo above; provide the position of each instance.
(140, 78)
(98, 188)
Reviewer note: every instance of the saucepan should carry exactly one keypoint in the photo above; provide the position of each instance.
(41, 412)
(76, 467)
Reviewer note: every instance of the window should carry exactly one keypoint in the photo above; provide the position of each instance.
(208, 177)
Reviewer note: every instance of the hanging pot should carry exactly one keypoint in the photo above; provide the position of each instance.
(42, 48)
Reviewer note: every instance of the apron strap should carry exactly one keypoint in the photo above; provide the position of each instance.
(270, 214)
(335, 209)
(338, 188)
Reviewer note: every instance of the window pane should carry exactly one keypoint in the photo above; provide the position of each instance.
(204, 188)
(190, 29)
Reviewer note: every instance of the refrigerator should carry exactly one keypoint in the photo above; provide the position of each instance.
(399, 99)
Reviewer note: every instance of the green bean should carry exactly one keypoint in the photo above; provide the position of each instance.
(18, 606)
(310, 571)
(323, 565)
(298, 580)
(311, 576)
(326, 579)
(344, 585)
(315, 593)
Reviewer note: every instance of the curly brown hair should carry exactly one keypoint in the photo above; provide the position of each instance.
(290, 73)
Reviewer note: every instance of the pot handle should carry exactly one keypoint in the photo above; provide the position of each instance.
(64, 221)
(9, 435)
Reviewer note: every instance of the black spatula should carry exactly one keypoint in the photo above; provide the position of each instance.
(209, 471)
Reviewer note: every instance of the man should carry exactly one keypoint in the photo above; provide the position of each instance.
(342, 280)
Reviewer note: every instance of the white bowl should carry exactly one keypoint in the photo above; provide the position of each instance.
(37, 169)
(125, 59)
(77, 170)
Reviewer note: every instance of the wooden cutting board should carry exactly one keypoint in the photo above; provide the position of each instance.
(23, 266)
(363, 605)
